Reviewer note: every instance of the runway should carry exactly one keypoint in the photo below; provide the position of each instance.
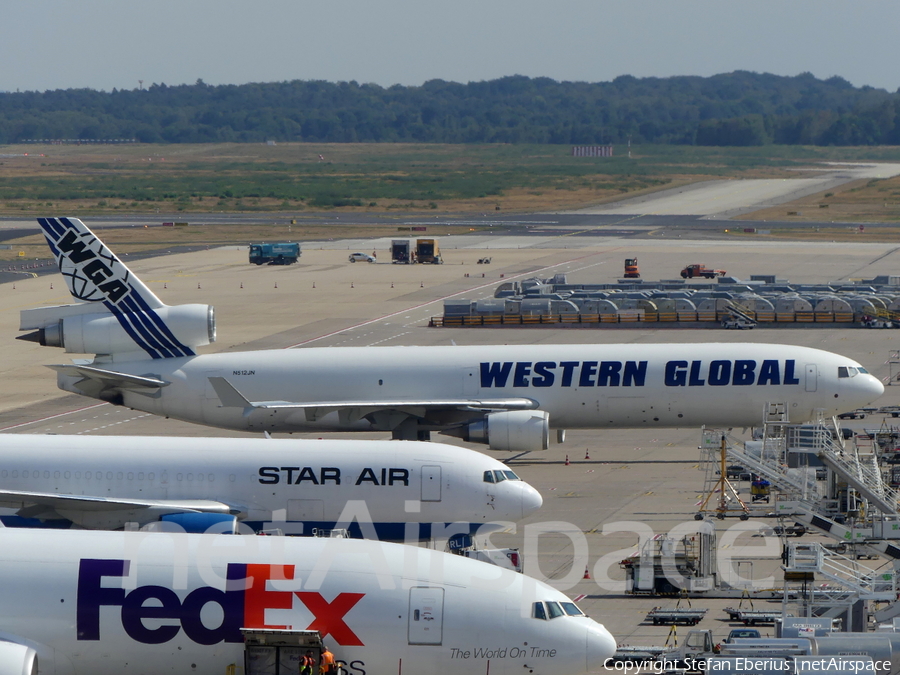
(723, 199)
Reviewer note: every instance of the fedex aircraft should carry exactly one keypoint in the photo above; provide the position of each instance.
(376, 489)
(77, 602)
(508, 397)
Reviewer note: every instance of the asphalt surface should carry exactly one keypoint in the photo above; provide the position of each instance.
(617, 485)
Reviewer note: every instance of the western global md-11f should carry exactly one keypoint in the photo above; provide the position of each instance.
(506, 396)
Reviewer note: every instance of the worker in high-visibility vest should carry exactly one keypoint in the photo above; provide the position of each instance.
(326, 663)
(307, 663)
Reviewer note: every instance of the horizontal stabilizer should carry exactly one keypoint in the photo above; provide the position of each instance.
(110, 378)
(232, 398)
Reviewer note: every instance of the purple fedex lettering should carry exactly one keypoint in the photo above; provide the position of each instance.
(243, 603)
(92, 596)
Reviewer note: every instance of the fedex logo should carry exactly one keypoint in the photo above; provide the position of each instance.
(242, 604)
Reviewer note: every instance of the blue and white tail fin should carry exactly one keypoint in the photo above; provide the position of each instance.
(117, 316)
(92, 272)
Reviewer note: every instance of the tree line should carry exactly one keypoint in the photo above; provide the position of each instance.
(732, 109)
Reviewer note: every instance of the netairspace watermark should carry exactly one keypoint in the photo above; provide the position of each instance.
(206, 554)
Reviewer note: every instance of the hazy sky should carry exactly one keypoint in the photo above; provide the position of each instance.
(101, 44)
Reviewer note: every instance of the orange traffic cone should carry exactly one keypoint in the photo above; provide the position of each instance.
(242, 284)
(567, 460)
(276, 284)
(587, 574)
(586, 454)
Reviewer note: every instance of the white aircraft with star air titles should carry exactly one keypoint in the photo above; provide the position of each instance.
(395, 491)
(506, 396)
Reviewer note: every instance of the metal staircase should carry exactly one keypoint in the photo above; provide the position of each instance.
(861, 472)
(769, 465)
(738, 310)
(845, 573)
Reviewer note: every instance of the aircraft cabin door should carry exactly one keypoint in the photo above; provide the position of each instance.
(431, 483)
(470, 382)
(812, 376)
(426, 615)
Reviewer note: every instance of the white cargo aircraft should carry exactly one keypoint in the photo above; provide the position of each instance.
(119, 603)
(375, 489)
(506, 396)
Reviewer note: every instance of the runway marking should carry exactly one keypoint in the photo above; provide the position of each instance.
(50, 417)
(441, 299)
(393, 337)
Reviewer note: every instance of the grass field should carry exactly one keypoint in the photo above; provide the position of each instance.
(303, 180)
(226, 178)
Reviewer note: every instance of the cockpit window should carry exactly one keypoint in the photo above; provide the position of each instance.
(511, 476)
(862, 370)
(850, 371)
(499, 477)
(554, 610)
(842, 372)
(488, 476)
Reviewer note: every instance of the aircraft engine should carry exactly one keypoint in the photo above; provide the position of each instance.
(105, 333)
(200, 523)
(516, 430)
(16, 659)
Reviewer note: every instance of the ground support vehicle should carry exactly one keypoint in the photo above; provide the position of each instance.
(428, 251)
(631, 269)
(697, 271)
(282, 253)
(402, 252)
(670, 615)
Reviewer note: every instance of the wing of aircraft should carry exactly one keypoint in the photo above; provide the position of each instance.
(232, 398)
(112, 511)
(514, 423)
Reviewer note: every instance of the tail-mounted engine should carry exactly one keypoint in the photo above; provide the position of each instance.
(159, 332)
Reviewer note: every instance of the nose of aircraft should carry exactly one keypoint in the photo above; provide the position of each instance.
(874, 387)
(863, 390)
(531, 500)
(600, 646)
